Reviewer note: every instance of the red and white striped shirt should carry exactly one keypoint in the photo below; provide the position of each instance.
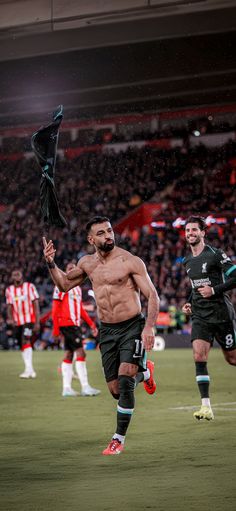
(21, 298)
(67, 309)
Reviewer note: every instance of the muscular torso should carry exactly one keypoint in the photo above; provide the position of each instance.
(116, 293)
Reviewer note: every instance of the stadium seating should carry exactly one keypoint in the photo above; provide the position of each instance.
(182, 179)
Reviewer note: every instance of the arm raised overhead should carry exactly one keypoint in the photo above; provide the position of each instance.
(64, 281)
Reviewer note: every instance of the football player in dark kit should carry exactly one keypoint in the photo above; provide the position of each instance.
(211, 274)
(117, 278)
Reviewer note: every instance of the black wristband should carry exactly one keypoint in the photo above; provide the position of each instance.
(51, 265)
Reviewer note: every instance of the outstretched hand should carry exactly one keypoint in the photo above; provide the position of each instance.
(49, 250)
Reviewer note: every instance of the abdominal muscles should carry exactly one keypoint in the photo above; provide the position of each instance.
(117, 301)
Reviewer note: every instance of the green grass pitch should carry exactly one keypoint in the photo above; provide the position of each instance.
(50, 447)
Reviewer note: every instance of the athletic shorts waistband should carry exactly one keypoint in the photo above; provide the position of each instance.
(122, 323)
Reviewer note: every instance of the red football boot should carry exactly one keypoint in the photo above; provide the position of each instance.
(150, 384)
(114, 447)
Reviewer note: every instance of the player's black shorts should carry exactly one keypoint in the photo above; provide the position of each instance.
(223, 333)
(121, 342)
(72, 337)
(24, 333)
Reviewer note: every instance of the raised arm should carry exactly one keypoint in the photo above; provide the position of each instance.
(144, 283)
(64, 281)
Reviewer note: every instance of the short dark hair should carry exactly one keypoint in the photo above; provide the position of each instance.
(194, 219)
(96, 220)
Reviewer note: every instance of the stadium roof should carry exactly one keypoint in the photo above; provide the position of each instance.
(114, 56)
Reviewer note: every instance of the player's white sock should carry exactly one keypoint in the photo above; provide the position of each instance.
(27, 355)
(74, 375)
(146, 375)
(121, 438)
(81, 370)
(66, 371)
(206, 401)
(24, 357)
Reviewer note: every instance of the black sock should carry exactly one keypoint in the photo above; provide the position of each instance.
(139, 378)
(202, 378)
(125, 405)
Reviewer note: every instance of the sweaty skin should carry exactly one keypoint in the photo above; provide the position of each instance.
(117, 281)
(117, 278)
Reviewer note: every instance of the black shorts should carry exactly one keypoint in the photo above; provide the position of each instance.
(121, 342)
(24, 333)
(223, 333)
(72, 337)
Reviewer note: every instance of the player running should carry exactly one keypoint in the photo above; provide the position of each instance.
(211, 274)
(117, 278)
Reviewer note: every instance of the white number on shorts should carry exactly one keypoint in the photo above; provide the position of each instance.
(229, 340)
(138, 348)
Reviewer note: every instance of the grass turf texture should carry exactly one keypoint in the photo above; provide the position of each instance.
(51, 446)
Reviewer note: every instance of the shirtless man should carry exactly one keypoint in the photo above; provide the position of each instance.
(117, 278)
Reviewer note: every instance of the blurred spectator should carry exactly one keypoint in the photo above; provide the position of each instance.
(4, 333)
(46, 339)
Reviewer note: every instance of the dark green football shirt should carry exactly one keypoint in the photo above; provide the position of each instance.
(215, 269)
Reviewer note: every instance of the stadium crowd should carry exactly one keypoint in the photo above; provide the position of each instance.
(185, 180)
(88, 136)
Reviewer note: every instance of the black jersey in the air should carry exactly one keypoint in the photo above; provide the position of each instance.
(211, 268)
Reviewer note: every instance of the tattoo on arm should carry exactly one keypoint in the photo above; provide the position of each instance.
(153, 309)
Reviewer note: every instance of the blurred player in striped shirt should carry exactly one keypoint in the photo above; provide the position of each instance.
(23, 315)
(67, 312)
